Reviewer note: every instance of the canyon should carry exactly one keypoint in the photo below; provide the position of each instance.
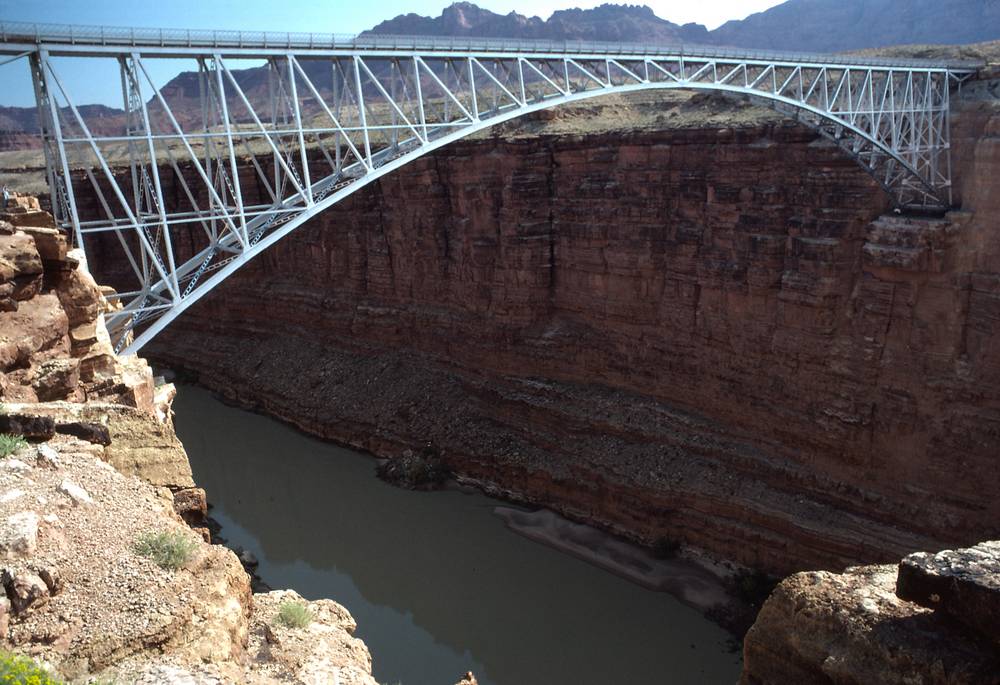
(684, 320)
(713, 334)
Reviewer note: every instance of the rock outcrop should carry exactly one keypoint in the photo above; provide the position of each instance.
(963, 583)
(103, 470)
(856, 628)
(712, 332)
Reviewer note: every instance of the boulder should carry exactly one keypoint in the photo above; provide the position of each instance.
(963, 583)
(52, 578)
(18, 257)
(80, 297)
(19, 535)
(50, 242)
(48, 457)
(56, 379)
(75, 492)
(37, 330)
(852, 629)
(191, 504)
(7, 301)
(26, 590)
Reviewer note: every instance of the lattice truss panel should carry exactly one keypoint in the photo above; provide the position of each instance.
(207, 174)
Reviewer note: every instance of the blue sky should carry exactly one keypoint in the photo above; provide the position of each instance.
(329, 16)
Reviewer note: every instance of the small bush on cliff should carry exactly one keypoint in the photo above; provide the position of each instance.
(293, 614)
(169, 549)
(10, 444)
(20, 670)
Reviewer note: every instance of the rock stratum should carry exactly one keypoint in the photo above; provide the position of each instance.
(100, 469)
(690, 321)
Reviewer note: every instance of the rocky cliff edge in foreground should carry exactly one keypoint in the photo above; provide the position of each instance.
(930, 621)
(89, 466)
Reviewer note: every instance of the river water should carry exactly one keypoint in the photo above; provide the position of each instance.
(436, 581)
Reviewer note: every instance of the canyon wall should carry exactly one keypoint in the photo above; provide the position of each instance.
(714, 334)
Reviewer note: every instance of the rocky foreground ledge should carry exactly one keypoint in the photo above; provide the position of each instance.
(932, 620)
(106, 569)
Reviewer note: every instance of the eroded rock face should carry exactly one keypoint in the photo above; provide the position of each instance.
(963, 583)
(53, 342)
(852, 629)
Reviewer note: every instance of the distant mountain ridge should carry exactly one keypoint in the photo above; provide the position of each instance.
(816, 25)
(625, 23)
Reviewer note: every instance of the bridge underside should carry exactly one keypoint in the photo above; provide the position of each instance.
(314, 126)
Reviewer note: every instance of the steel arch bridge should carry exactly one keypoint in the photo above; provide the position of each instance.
(307, 119)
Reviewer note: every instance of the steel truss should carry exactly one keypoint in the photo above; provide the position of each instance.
(258, 160)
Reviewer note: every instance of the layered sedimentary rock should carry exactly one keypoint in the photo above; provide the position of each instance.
(713, 334)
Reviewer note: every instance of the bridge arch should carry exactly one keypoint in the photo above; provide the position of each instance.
(389, 101)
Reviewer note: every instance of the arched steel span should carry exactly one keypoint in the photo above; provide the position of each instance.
(320, 116)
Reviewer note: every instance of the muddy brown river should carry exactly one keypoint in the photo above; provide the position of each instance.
(437, 581)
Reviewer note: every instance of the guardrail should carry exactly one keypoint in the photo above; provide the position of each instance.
(14, 32)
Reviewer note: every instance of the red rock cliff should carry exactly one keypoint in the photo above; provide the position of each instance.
(713, 335)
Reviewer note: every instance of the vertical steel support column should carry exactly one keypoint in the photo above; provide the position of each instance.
(337, 97)
(272, 95)
(207, 142)
(420, 98)
(520, 80)
(157, 187)
(306, 180)
(133, 162)
(42, 86)
(361, 109)
(60, 207)
(946, 133)
(394, 97)
(472, 87)
(236, 189)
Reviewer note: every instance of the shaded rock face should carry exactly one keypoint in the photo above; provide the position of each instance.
(964, 584)
(853, 629)
(710, 335)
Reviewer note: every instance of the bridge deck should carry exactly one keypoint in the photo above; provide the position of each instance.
(17, 37)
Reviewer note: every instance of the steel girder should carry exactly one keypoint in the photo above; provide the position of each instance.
(249, 161)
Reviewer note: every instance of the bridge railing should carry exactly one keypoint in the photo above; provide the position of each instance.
(12, 32)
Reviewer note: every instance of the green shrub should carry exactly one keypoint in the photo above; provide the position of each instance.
(293, 614)
(169, 549)
(20, 670)
(10, 444)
